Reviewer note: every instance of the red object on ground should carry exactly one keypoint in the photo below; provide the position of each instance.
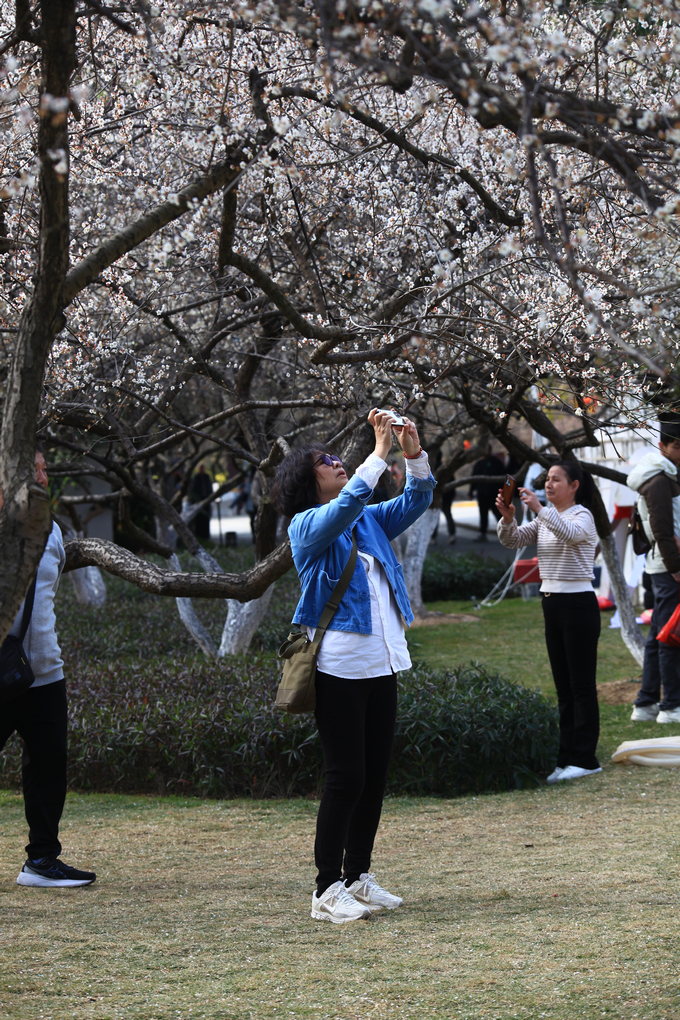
(526, 572)
(605, 603)
(646, 616)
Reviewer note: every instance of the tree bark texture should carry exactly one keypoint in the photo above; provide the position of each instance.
(25, 517)
(177, 583)
(243, 620)
(89, 587)
(189, 618)
(630, 632)
(417, 542)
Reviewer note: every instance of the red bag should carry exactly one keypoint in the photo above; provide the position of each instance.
(670, 632)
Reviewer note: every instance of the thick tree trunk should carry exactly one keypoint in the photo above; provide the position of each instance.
(25, 517)
(243, 620)
(630, 632)
(189, 618)
(89, 587)
(417, 542)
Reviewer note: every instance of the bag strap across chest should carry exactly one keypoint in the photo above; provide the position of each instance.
(28, 610)
(334, 601)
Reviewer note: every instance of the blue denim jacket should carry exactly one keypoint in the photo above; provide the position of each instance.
(321, 541)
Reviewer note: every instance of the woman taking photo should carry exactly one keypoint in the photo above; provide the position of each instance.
(566, 538)
(362, 650)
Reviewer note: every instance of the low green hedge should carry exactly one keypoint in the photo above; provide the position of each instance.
(448, 575)
(211, 730)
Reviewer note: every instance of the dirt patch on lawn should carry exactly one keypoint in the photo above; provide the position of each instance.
(618, 692)
(435, 619)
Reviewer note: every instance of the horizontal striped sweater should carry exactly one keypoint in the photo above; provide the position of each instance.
(565, 542)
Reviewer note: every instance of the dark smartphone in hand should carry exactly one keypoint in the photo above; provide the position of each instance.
(508, 490)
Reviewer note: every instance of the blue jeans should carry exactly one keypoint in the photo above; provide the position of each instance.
(661, 669)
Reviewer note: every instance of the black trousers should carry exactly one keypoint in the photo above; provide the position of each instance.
(39, 717)
(485, 504)
(572, 630)
(356, 726)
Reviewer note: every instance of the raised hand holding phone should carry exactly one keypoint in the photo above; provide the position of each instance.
(407, 437)
(508, 490)
(395, 419)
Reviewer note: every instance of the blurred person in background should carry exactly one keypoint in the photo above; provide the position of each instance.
(39, 717)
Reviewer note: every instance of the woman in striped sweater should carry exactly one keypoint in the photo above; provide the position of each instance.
(566, 539)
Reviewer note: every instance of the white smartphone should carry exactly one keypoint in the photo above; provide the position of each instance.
(396, 418)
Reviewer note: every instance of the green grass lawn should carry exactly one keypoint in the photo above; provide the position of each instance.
(508, 638)
(557, 902)
(551, 902)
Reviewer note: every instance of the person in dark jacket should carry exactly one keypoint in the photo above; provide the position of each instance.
(200, 488)
(655, 478)
(39, 716)
(486, 491)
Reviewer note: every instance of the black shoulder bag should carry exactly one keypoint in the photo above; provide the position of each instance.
(16, 675)
(636, 530)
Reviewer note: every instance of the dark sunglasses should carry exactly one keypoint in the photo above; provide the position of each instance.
(329, 459)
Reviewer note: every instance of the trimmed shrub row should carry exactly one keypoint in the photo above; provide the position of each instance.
(197, 728)
(454, 576)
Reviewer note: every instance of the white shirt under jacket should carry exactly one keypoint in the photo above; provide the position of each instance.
(360, 656)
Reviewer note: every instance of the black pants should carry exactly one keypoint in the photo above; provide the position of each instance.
(661, 667)
(39, 717)
(356, 727)
(485, 504)
(572, 629)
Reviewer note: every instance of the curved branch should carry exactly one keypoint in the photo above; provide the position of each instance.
(223, 175)
(98, 552)
(274, 292)
(321, 355)
(398, 139)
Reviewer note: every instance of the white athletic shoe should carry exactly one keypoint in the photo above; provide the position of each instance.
(669, 715)
(555, 775)
(337, 904)
(644, 713)
(576, 772)
(367, 891)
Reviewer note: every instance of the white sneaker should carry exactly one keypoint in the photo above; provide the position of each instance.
(555, 775)
(644, 713)
(366, 890)
(669, 715)
(575, 772)
(337, 904)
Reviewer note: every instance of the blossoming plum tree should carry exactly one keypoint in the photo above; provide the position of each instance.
(227, 227)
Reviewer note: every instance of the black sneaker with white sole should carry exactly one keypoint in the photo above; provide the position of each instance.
(51, 873)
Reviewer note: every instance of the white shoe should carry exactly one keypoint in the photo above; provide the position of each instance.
(645, 713)
(575, 772)
(669, 715)
(337, 904)
(367, 891)
(555, 774)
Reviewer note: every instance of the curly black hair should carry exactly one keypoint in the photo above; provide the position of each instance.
(294, 487)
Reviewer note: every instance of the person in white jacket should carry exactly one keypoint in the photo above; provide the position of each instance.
(39, 716)
(655, 479)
